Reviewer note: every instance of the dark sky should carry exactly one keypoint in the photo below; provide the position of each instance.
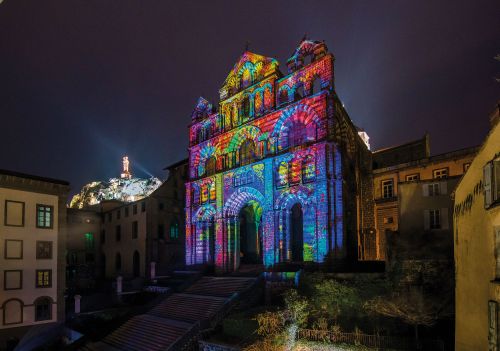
(84, 82)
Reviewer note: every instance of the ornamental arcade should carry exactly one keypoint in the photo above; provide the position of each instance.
(277, 173)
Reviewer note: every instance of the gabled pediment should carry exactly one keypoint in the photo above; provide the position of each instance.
(249, 69)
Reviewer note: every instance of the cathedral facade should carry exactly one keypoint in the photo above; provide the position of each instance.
(277, 170)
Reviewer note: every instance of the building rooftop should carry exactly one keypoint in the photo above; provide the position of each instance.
(34, 177)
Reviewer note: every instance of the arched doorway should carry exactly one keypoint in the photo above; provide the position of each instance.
(250, 236)
(297, 233)
(136, 263)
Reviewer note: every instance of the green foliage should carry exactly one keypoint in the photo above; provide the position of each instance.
(270, 323)
(333, 298)
(297, 308)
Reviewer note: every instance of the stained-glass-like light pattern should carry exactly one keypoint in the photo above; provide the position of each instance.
(270, 143)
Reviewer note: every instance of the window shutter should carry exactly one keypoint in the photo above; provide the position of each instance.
(487, 184)
(444, 218)
(496, 180)
(427, 220)
(425, 188)
(443, 188)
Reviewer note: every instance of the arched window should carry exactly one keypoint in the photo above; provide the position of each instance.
(211, 191)
(316, 85)
(204, 193)
(174, 229)
(247, 152)
(283, 96)
(297, 135)
(299, 92)
(246, 78)
(229, 117)
(235, 116)
(245, 106)
(13, 311)
(295, 172)
(43, 309)
(118, 262)
(259, 103)
(282, 176)
(308, 169)
(210, 166)
(268, 98)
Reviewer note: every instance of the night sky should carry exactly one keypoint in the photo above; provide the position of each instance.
(84, 82)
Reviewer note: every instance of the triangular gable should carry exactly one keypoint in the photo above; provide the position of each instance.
(249, 69)
(203, 108)
(305, 48)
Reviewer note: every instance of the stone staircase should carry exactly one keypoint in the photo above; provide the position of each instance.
(177, 321)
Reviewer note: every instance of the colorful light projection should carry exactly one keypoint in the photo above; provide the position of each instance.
(269, 162)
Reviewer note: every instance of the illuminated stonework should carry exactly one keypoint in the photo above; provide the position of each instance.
(126, 189)
(266, 179)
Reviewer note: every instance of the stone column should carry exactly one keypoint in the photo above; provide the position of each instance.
(119, 280)
(77, 303)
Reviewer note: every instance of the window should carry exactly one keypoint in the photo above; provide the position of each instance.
(210, 166)
(316, 85)
(134, 209)
(297, 135)
(466, 166)
(118, 262)
(211, 191)
(110, 216)
(247, 152)
(388, 220)
(43, 309)
(433, 189)
(295, 172)
(143, 206)
(308, 169)
(13, 249)
(174, 230)
(245, 107)
(13, 279)
(413, 177)
(283, 96)
(43, 278)
(14, 213)
(135, 229)
(118, 233)
(282, 174)
(161, 231)
(387, 188)
(491, 181)
(299, 92)
(44, 249)
(440, 173)
(126, 211)
(435, 219)
(161, 206)
(89, 241)
(13, 311)
(204, 193)
(103, 236)
(196, 195)
(44, 215)
(118, 214)
(259, 103)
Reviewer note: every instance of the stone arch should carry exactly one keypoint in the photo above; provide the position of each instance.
(247, 132)
(202, 155)
(250, 68)
(13, 311)
(287, 199)
(299, 114)
(205, 213)
(240, 198)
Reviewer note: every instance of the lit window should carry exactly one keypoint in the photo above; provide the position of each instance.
(295, 172)
(309, 169)
(387, 188)
(44, 215)
(413, 177)
(440, 173)
(43, 309)
(204, 193)
(43, 278)
(174, 230)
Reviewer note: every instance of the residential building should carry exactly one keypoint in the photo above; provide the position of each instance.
(32, 245)
(402, 166)
(477, 248)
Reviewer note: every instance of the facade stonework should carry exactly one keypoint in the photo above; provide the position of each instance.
(272, 173)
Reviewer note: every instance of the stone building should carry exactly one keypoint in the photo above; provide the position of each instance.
(278, 173)
(477, 248)
(410, 166)
(32, 242)
(138, 235)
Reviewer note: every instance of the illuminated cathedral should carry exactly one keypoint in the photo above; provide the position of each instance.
(277, 172)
